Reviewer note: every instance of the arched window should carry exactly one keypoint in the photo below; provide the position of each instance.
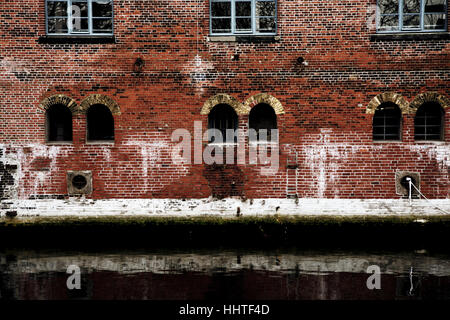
(428, 123)
(222, 117)
(387, 122)
(59, 123)
(262, 117)
(100, 123)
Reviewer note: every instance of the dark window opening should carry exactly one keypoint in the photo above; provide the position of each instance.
(59, 124)
(428, 123)
(100, 123)
(387, 122)
(263, 117)
(222, 117)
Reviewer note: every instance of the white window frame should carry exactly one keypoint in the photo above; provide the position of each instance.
(421, 27)
(253, 19)
(69, 18)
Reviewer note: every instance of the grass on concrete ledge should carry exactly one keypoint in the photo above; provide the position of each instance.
(222, 220)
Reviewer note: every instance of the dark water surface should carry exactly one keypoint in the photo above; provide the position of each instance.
(224, 274)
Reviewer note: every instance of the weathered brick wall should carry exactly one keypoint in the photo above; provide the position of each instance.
(324, 121)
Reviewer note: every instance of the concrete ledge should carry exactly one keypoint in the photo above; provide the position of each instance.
(83, 207)
(70, 39)
(244, 38)
(410, 36)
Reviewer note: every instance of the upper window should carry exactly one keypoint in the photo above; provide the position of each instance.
(59, 124)
(79, 17)
(428, 123)
(243, 17)
(387, 122)
(412, 15)
(100, 123)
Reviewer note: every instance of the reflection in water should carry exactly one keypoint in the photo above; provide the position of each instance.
(199, 275)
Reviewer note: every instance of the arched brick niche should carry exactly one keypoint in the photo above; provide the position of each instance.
(59, 99)
(264, 98)
(388, 97)
(223, 98)
(100, 99)
(422, 98)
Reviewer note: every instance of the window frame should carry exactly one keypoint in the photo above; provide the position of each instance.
(383, 137)
(212, 119)
(49, 124)
(90, 19)
(251, 120)
(89, 139)
(426, 126)
(253, 18)
(400, 15)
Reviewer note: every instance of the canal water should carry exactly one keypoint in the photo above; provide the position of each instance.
(224, 274)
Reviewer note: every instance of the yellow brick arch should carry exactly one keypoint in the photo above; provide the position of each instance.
(422, 98)
(59, 99)
(99, 99)
(223, 98)
(264, 98)
(393, 97)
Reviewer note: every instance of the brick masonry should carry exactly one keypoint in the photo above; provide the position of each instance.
(324, 107)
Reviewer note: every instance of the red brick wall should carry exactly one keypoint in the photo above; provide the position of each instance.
(325, 118)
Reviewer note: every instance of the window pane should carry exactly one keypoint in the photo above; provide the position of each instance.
(221, 25)
(428, 122)
(102, 8)
(56, 9)
(243, 9)
(100, 123)
(435, 6)
(80, 25)
(388, 23)
(265, 8)
(243, 24)
(388, 6)
(221, 9)
(102, 25)
(79, 9)
(222, 117)
(265, 25)
(434, 21)
(57, 25)
(411, 6)
(411, 22)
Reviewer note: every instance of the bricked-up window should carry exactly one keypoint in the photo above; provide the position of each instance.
(79, 17)
(222, 117)
(100, 123)
(262, 117)
(59, 124)
(412, 15)
(428, 123)
(387, 122)
(243, 17)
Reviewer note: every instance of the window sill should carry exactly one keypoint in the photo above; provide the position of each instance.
(387, 141)
(245, 38)
(264, 143)
(75, 39)
(59, 143)
(100, 142)
(408, 36)
(438, 142)
(222, 144)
